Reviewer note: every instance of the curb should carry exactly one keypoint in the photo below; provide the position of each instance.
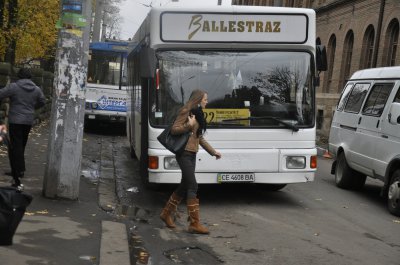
(114, 248)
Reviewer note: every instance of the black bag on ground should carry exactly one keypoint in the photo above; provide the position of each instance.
(174, 143)
(13, 204)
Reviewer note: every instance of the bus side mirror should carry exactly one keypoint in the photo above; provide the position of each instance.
(147, 62)
(322, 64)
(394, 113)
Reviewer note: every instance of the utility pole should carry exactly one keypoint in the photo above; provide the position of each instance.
(62, 172)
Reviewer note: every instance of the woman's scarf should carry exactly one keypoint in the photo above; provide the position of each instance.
(199, 115)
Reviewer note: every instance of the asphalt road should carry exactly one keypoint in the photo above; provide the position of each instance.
(310, 223)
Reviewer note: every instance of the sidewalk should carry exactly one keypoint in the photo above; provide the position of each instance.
(62, 231)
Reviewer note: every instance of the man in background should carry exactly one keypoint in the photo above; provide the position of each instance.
(24, 97)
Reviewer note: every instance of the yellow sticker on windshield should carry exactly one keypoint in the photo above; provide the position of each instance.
(222, 115)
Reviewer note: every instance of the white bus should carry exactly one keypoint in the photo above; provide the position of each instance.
(259, 68)
(106, 86)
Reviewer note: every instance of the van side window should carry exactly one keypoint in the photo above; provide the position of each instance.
(356, 98)
(344, 96)
(397, 97)
(377, 99)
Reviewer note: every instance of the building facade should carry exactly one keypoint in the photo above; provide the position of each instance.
(358, 34)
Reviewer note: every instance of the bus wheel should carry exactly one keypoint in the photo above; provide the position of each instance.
(394, 194)
(274, 187)
(346, 177)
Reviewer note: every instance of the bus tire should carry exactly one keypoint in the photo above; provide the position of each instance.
(393, 200)
(346, 177)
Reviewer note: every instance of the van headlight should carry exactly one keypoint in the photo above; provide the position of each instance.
(94, 105)
(170, 163)
(295, 162)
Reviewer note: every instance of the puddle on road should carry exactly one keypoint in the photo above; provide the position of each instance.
(138, 251)
(192, 255)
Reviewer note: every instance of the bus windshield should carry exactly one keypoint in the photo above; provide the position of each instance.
(253, 89)
(104, 68)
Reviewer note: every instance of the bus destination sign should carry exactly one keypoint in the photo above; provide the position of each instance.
(213, 27)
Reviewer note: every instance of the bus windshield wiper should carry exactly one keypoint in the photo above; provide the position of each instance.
(251, 118)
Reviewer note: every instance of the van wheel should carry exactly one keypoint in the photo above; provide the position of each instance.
(347, 178)
(394, 194)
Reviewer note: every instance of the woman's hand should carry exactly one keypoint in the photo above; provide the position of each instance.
(217, 155)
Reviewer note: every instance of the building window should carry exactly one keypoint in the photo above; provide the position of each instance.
(347, 56)
(331, 61)
(393, 34)
(367, 48)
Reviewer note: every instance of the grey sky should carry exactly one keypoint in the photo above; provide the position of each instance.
(134, 11)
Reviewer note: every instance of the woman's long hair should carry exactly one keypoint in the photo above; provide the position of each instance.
(195, 108)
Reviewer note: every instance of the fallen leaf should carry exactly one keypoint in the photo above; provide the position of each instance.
(42, 212)
(396, 221)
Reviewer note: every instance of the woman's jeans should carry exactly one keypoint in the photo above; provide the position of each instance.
(188, 186)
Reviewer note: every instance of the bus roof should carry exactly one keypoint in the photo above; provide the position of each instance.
(123, 47)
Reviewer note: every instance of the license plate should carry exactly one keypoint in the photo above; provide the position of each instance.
(235, 177)
(92, 117)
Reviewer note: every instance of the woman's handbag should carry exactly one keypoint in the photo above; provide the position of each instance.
(174, 143)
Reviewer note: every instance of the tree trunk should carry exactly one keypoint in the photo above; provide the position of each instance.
(12, 22)
(2, 4)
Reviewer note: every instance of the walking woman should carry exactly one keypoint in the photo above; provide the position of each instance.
(190, 118)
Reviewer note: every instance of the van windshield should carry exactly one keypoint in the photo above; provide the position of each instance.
(241, 86)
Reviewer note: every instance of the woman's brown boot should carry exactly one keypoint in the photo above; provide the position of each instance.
(170, 209)
(194, 218)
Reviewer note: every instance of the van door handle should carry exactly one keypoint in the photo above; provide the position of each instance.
(377, 124)
(359, 120)
(384, 136)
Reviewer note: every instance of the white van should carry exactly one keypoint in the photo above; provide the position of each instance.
(365, 133)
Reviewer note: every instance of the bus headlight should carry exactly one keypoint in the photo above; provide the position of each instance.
(295, 162)
(170, 163)
(94, 105)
